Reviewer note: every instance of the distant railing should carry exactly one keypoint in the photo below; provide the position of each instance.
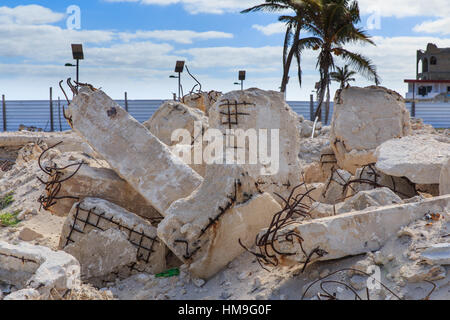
(37, 113)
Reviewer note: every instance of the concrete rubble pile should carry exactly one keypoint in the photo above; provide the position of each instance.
(372, 187)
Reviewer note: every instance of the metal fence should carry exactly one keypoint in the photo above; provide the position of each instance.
(37, 113)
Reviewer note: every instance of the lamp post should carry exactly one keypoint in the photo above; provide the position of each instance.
(78, 54)
(242, 75)
(179, 67)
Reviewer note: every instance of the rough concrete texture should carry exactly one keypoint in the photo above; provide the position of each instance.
(99, 259)
(335, 190)
(180, 150)
(369, 178)
(356, 232)
(132, 151)
(202, 101)
(72, 141)
(23, 295)
(438, 254)
(173, 115)
(420, 159)
(364, 118)
(35, 267)
(203, 229)
(258, 109)
(100, 182)
(101, 253)
(373, 198)
(444, 179)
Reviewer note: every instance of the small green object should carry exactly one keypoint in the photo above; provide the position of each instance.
(169, 273)
(9, 219)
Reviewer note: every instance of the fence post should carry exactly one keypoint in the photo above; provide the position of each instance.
(59, 114)
(126, 101)
(4, 112)
(52, 128)
(311, 107)
(413, 109)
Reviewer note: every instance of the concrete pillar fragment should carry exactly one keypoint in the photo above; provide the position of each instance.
(132, 151)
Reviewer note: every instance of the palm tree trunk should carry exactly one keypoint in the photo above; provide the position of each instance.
(288, 62)
(327, 106)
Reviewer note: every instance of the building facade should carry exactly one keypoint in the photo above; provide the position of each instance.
(432, 81)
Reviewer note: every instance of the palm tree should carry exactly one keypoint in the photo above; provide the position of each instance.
(343, 76)
(293, 45)
(333, 26)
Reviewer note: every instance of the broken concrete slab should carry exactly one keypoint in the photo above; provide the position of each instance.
(34, 267)
(99, 252)
(335, 190)
(133, 152)
(23, 295)
(173, 115)
(250, 111)
(202, 101)
(369, 178)
(419, 158)
(99, 182)
(372, 198)
(353, 233)
(444, 179)
(203, 230)
(102, 253)
(72, 142)
(364, 118)
(438, 254)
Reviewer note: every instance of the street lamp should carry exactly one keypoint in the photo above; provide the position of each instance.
(242, 75)
(179, 67)
(77, 54)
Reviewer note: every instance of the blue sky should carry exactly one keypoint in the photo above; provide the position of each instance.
(132, 45)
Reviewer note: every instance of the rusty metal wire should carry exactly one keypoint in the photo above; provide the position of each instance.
(333, 296)
(230, 114)
(375, 183)
(54, 183)
(293, 210)
(144, 243)
(6, 165)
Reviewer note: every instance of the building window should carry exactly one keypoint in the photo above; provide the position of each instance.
(425, 65)
(448, 89)
(433, 61)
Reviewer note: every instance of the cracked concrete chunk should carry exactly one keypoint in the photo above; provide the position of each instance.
(23, 295)
(173, 115)
(256, 110)
(34, 267)
(119, 234)
(103, 183)
(369, 178)
(437, 254)
(101, 253)
(202, 101)
(373, 198)
(203, 230)
(420, 159)
(132, 151)
(335, 190)
(363, 119)
(354, 233)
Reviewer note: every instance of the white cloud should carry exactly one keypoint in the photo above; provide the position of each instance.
(440, 26)
(202, 6)
(229, 57)
(29, 15)
(405, 8)
(179, 36)
(270, 29)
